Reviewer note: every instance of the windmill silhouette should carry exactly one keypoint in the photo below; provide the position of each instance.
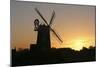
(43, 30)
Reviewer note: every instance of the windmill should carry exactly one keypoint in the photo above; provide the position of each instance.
(43, 37)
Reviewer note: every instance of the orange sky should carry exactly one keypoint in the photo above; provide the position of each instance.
(74, 23)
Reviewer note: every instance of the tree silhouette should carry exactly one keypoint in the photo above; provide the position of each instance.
(35, 56)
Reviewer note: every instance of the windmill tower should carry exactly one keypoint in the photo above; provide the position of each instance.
(43, 30)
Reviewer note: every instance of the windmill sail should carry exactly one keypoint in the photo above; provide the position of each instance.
(41, 15)
(52, 18)
(56, 35)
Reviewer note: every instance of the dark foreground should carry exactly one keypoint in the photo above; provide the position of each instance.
(51, 56)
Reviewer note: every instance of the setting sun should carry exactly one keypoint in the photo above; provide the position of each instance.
(78, 43)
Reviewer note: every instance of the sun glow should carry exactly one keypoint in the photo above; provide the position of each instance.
(78, 43)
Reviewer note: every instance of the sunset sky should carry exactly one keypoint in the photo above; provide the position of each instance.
(74, 23)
